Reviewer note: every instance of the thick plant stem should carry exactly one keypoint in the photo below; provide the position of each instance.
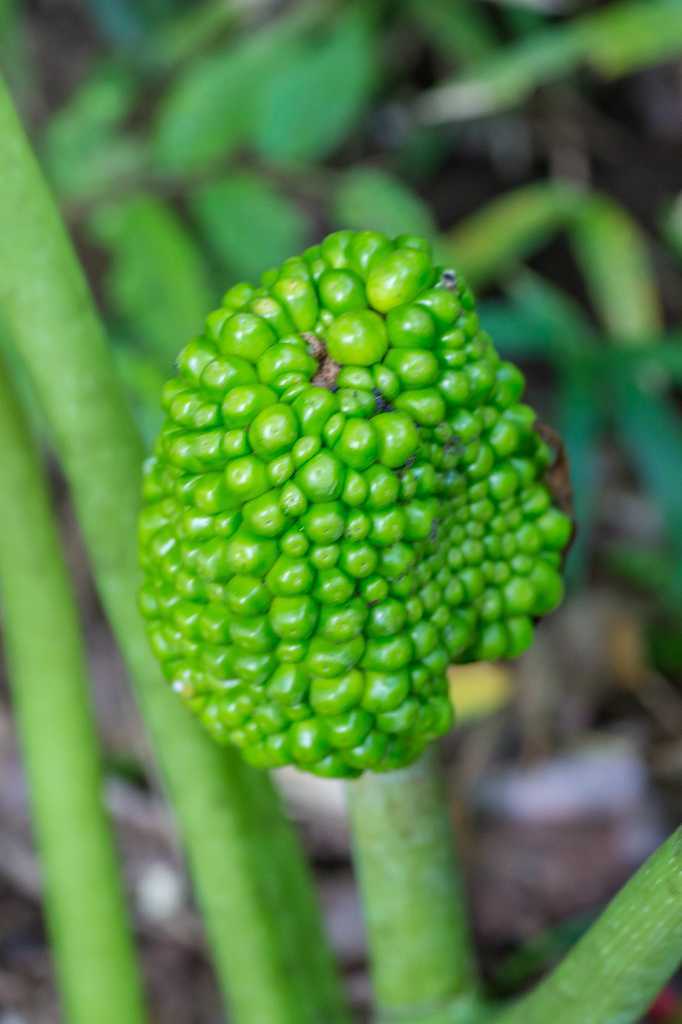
(90, 938)
(422, 962)
(615, 971)
(260, 911)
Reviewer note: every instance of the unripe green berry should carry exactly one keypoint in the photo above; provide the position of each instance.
(346, 496)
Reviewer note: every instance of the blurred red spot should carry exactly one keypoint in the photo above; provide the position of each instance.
(667, 1004)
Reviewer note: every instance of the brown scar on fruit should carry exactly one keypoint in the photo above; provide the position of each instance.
(328, 370)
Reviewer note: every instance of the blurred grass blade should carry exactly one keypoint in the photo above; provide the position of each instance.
(210, 109)
(652, 433)
(619, 39)
(493, 240)
(84, 151)
(247, 206)
(157, 281)
(316, 97)
(459, 29)
(612, 254)
(373, 199)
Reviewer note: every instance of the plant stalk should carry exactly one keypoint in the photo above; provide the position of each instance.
(86, 916)
(421, 954)
(616, 970)
(261, 913)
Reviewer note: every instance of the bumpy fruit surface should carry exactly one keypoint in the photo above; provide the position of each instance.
(346, 496)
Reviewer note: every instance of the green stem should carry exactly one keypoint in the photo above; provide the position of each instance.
(260, 911)
(422, 961)
(616, 970)
(86, 915)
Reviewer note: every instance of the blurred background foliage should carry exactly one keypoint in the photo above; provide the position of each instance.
(537, 142)
(192, 144)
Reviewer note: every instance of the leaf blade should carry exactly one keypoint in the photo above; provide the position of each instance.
(370, 198)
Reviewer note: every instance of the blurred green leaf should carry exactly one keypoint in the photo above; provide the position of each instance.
(559, 331)
(126, 22)
(156, 281)
(314, 99)
(651, 431)
(613, 257)
(580, 421)
(569, 334)
(370, 198)
(143, 379)
(658, 359)
(191, 31)
(493, 240)
(83, 149)
(651, 569)
(16, 58)
(211, 108)
(616, 40)
(672, 225)
(517, 333)
(507, 77)
(249, 224)
(458, 28)
(628, 36)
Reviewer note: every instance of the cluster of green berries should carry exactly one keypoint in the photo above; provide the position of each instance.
(346, 497)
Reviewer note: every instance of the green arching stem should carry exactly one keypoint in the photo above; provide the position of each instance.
(271, 957)
(422, 962)
(93, 948)
(614, 973)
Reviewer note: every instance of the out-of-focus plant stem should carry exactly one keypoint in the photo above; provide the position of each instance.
(259, 907)
(616, 970)
(417, 923)
(90, 937)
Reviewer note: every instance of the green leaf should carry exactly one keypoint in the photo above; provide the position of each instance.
(490, 242)
(313, 100)
(580, 422)
(517, 333)
(211, 108)
(249, 224)
(568, 333)
(650, 569)
(142, 379)
(83, 148)
(190, 32)
(368, 198)
(628, 36)
(651, 430)
(614, 259)
(156, 282)
(458, 28)
(506, 78)
(672, 225)
(617, 40)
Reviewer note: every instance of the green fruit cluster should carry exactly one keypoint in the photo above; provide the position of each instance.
(346, 496)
